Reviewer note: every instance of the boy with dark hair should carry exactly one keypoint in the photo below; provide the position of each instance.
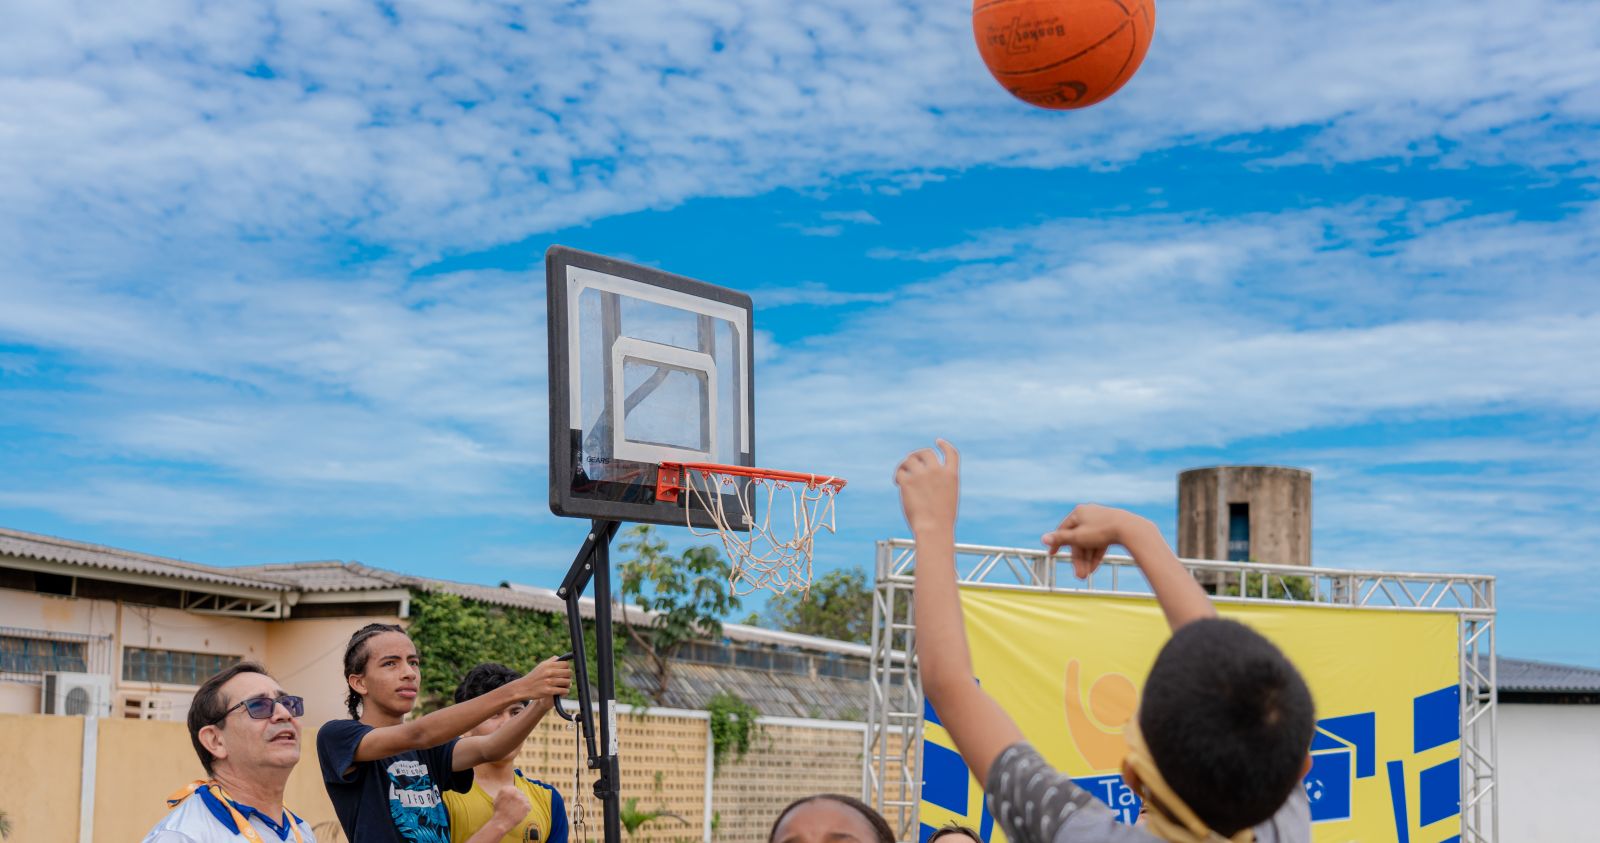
(502, 804)
(386, 774)
(1223, 733)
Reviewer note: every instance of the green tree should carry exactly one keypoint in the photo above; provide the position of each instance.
(838, 605)
(454, 634)
(1280, 587)
(688, 595)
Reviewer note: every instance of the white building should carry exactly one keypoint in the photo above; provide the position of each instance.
(1549, 750)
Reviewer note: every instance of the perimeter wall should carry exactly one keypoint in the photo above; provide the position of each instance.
(665, 754)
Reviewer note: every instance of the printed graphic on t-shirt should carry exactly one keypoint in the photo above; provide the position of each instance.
(414, 802)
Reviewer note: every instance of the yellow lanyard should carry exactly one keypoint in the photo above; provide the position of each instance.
(246, 830)
(1169, 817)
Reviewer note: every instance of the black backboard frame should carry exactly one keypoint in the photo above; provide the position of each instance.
(564, 500)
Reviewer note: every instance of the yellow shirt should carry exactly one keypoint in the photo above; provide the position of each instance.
(547, 820)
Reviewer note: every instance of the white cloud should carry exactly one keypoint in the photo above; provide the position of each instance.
(171, 507)
(1060, 355)
(817, 295)
(856, 217)
(1073, 361)
(434, 129)
(212, 211)
(816, 230)
(372, 395)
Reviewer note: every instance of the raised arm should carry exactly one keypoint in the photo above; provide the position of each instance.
(929, 492)
(550, 678)
(470, 752)
(1090, 529)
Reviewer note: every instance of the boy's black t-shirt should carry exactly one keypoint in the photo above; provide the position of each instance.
(391, 800)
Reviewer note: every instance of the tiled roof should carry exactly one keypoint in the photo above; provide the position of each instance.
(773, 693)
(356, 577)
(1524, 676)
(324, 576)
(51, 549)
(545, 599)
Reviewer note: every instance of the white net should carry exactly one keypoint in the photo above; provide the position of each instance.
(763, 558)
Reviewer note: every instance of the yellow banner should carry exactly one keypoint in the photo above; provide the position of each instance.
(1068, 668)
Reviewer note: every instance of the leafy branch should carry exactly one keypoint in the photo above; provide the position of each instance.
(1279, 586)
(687, 594)
(454, 634)
(633, 818)
(733, 726)
(838, 606)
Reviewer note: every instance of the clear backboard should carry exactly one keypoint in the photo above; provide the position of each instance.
(646, 367)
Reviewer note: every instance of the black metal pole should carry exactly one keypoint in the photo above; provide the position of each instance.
(606, 787)
(594, 562)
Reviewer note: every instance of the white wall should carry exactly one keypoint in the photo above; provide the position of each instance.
(1549, 771)
(56, 613)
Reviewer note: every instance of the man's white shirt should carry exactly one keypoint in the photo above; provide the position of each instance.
(194, 822)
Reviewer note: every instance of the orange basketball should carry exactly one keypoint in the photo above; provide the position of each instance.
(1063, 53)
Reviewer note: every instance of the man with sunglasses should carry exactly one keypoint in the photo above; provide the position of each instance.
(246, 731)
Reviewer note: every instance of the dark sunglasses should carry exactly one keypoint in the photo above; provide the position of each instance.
(260, 708)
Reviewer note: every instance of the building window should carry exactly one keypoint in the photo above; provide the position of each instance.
(1238, 532)
(172, 667)
(32, 656)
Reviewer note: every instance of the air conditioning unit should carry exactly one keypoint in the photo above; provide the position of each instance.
(83, 694)
(137, 707)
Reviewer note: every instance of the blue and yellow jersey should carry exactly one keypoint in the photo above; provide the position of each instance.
(546, 821)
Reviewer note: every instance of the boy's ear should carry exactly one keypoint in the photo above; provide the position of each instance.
(1132, 778)
(358, 683)
(1305, 766)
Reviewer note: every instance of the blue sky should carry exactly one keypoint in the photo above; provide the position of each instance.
(272, 283)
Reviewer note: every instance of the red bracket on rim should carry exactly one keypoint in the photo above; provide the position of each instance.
(669, 481)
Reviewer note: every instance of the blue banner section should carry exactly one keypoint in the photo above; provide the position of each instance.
(1329, 786)
(1358, 732)
(1115, 792)
(1436, 718)
(1397, 799)
(944, 778)
(1440, 796)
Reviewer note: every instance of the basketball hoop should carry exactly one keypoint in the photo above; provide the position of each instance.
(773, 561)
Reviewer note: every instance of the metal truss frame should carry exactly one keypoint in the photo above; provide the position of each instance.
(260, 607)
(891, 778)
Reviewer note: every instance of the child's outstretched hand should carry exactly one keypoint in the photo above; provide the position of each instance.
(1089, 530)
(552, 678)
(930, 489)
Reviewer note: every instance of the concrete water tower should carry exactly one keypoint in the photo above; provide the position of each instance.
(1245, 513)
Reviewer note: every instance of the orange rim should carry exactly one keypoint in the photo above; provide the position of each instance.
(669, 479)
